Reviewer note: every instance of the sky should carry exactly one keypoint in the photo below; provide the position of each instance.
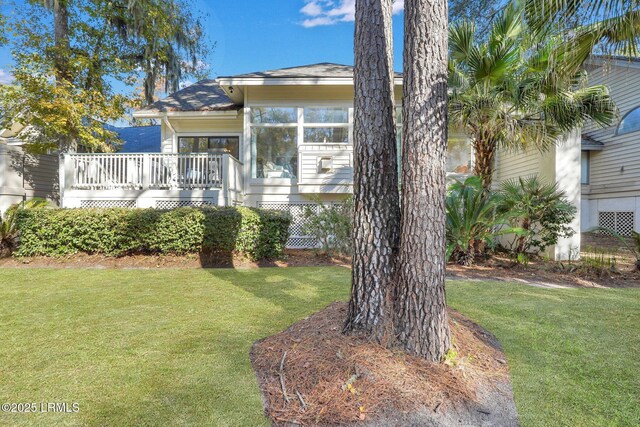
(256, 35)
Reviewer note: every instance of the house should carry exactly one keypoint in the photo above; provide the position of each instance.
(25, 175)
(610, 172)
(277, 139)
(598, 168)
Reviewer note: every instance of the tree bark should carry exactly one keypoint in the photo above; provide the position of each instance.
(375, 185)
(421, 323)
(61, 58)
(61, 41)
(485, 153)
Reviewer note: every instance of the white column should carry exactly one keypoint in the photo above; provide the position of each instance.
(567, 171)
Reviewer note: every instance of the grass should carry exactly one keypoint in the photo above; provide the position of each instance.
(170, 347)
(573, 353)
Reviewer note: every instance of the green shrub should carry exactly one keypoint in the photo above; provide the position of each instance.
(471, 220)
(539, 214)
(117, 231)
(331, 225)
(8, 228)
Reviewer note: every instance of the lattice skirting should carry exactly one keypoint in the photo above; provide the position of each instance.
(108, 203)
(622, 223)
(297, 237)
(172, 204)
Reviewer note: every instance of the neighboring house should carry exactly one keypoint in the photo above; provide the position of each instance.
(24, 175)
(611, 156)
(276, 139)
(599, 169)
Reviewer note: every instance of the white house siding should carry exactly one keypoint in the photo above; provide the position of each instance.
(614, 181)
(512, 164)
(24, 176)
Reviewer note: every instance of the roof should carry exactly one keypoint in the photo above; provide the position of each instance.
(205, 95)
(209, 96)
(320, 70)
(138, 139)
(591, 144)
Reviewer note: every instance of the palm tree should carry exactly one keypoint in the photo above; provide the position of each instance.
(510, 92)
(609, 27)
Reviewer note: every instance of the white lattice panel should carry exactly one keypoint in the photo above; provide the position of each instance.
(622, 223)
(297, 237)
(107, 203)
(172, 204)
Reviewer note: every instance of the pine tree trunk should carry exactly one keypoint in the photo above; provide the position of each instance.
(67, 143)
(375, 184)
(485, 153)
(421, 322)
(61, 41)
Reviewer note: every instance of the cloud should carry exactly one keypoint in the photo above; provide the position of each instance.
(5, 77)
(330, 12)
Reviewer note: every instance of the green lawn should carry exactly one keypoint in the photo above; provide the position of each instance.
(170, 347)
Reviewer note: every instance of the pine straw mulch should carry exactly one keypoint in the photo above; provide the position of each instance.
(312, 374)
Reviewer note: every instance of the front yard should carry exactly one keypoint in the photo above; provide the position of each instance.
(170, 347)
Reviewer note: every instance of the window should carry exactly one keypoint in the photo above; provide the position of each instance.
(210, 144)
(275, 152)
(326, 125)
(274, 115)
(458, 153)
(630, 122)
(584, 167)
(274, 142)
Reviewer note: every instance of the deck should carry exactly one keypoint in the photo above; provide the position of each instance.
(160, 180)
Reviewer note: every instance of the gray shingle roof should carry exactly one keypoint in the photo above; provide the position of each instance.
(206, 95)
(323, 69)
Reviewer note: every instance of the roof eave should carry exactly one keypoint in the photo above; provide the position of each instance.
(618, 61)
(146, 114)
(290, 81)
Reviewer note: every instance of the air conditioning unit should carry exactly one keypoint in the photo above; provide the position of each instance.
(326, 164)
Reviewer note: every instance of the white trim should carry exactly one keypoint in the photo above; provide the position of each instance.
(291, 81)
(340, 103)
(185, 114)
(239, 135)
(618, 62)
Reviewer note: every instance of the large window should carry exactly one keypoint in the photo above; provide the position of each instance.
(274, 142)
(630, 122)
(326, 125)
(210, 144)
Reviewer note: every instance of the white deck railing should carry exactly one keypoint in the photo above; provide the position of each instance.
(107, 171)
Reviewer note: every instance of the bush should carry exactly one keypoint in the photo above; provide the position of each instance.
(8, 228)
(471, 220)
(538, 214)
(117, 231)
(331, 226)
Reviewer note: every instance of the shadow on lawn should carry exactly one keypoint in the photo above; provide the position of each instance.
(287, 288)
(204, 376)
(205, 385)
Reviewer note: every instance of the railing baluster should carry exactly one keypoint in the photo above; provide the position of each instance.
(113, 170)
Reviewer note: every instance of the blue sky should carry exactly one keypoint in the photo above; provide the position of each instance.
(253, 35)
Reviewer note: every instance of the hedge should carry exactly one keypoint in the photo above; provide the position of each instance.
(257, 233)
